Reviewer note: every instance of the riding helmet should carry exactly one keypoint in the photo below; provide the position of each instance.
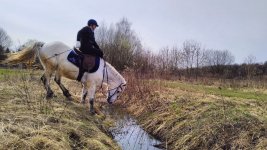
(92, 22)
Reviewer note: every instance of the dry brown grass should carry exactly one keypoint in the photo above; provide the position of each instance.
(183, 118)
(28, 121)
(192, 119)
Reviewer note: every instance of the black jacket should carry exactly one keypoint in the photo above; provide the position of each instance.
(88, 44)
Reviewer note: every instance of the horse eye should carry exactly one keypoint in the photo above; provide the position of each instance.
(118, 91)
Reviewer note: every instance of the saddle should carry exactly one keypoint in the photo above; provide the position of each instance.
(85, 62)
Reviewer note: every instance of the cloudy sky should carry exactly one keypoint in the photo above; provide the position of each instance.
(239, 26)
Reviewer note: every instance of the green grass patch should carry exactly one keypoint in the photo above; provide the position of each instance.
(225, 92)
(6, 73)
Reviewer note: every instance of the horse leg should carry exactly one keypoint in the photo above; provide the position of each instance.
(91, 94)
(84, 93)
(46, 81)
(62, 87)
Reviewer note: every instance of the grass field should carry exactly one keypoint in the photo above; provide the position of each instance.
(242, 93)
(183, 115)
(196, 116)
(28, 121)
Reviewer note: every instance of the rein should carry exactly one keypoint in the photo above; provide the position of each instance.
(105, 67)
(57, 54)
(105, 71)
(117, 89)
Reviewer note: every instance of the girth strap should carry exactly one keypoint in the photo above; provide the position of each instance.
(81, 72)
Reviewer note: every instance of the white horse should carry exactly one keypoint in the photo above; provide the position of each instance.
(53, 57)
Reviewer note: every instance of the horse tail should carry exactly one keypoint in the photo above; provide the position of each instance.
(28, 54)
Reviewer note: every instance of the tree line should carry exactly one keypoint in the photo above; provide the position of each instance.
(5, 43)
(123, 49)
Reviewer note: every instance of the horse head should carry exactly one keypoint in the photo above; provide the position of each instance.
(116, 83)
(114, 93)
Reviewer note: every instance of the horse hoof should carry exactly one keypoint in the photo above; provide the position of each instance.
(48, 97)
(70, 98)
(82, 102)
(92, 112)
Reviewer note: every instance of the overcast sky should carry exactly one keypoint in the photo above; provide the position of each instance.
(239, 26)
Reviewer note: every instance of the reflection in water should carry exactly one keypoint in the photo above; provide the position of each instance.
(128, 134)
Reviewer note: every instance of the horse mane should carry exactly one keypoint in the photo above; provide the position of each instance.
(115, 73)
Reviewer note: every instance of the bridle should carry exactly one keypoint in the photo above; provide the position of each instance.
(117, 90)
(119, 87)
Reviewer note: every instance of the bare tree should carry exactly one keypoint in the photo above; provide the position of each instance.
(164, 59)
(219, 57)
(250, 68)
(187, 55)
(145, 62)
(191, 54)
(250, 59)
(120, 44)
(5, 40)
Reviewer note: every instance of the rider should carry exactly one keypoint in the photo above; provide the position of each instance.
(86, 40)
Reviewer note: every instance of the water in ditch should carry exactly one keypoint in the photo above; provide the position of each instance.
(128, 134)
